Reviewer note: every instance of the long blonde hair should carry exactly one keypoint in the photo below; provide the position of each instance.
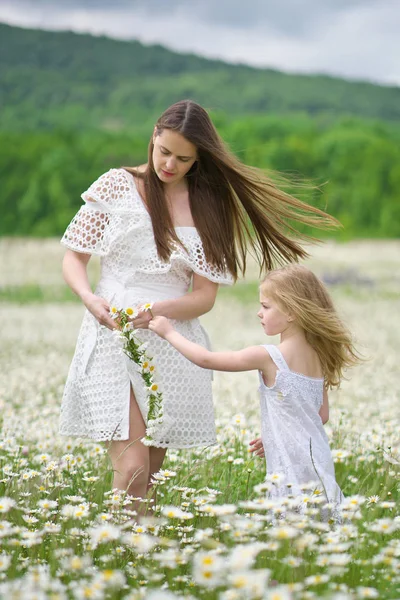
(297, 291)
(235, 207)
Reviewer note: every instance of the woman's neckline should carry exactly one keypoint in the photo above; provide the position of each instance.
(135, 187)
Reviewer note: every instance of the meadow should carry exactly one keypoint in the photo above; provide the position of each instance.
(210, 532)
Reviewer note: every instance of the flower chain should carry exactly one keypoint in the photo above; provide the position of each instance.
(135, 349)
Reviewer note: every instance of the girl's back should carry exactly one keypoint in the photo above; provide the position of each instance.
(302, 359)
(295, 443)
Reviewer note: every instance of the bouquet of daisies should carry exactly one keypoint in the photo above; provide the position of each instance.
(134, 348)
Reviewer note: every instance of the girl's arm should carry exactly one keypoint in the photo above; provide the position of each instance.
(324, 410)
(248, 359)
(190, 306)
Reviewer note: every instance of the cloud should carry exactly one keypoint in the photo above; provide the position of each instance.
(284, 16)
(350, 38)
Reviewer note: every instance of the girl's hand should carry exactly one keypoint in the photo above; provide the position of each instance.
(161, 326)
(100, 309)
(257, 447)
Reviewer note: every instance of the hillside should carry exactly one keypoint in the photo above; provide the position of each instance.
(75, 105)
(67, 80)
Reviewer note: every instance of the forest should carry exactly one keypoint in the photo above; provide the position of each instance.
(74, 106)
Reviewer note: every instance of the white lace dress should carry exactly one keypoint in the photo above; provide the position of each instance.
(117, 227)
(293, 434)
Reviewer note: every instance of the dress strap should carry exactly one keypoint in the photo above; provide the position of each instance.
(277, 357)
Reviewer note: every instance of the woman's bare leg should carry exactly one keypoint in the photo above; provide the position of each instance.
(130, 458)
(157, 456)
(156, 460)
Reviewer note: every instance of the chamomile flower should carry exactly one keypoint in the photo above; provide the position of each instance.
(373, 500)
(316, 579)
(132, 313)
(275, 478)
(145, 366)
(6, 504)
(208, 569)
(103, 534)
(173, 512)
(281, 592)
(283, 532)
(367, 592)
(339, 456)
(154, 388)
(5, 561)
(384, 526)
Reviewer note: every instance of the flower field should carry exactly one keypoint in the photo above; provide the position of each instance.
(210, 532)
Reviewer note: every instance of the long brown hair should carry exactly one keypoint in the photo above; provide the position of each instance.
(234, 207)
(297, 291)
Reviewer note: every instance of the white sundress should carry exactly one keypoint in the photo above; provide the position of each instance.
(293, 434)
(116, 226)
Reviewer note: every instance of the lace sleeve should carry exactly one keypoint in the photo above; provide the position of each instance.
(90, 231)
(198, 261)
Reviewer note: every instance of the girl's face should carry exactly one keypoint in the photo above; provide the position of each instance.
(173, 156)
(273, 320)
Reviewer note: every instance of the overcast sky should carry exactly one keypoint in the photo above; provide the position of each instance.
(356, 39)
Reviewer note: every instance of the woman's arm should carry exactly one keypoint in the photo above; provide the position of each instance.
(248, 359)
(74, 269)
(190, 306)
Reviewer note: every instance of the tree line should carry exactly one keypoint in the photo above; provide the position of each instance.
(355, 162)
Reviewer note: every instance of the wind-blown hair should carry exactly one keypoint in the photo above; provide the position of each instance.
(234, 207)
(298, 292)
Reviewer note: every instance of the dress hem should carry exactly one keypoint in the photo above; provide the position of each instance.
(171, 446)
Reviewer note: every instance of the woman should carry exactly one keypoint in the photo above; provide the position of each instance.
(168, 232)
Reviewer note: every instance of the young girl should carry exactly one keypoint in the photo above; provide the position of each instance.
(295, 376)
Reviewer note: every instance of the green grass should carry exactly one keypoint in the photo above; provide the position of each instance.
(197, 474)
(44, 554)
(28, 294)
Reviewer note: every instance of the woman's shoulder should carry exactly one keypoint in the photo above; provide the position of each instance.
(135, 174)
(108, 181)
(113, 189)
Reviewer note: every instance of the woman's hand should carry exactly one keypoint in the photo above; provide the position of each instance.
(142, 320)
(257, 447)
(161, 326)
(100, 309)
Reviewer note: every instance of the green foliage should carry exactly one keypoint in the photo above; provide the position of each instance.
(357, 163)
(74, 106)
(46, 173)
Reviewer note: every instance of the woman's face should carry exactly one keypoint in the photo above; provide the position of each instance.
(173, 156)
